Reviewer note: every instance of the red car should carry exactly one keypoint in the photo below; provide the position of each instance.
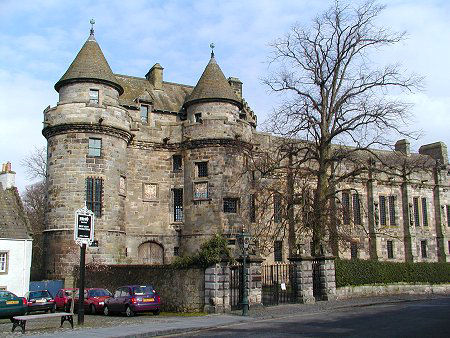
(131, 299)
(94, 299)
(40, 300)
(63, 298)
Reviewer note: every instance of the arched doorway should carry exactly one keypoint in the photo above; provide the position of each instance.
(151, 253)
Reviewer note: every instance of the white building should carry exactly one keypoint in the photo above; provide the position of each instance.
(15, 239)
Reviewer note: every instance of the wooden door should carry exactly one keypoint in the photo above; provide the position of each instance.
(151, 253)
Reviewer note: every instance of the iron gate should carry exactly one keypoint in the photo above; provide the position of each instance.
(279, 284)
(317, 287)
(236, 283)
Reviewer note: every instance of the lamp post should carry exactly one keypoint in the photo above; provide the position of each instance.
(245, 240)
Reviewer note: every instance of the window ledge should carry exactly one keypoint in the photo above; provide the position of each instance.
(147, 200)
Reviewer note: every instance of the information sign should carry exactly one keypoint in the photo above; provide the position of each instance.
(84, 226)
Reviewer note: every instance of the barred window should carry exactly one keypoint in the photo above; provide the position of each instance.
(448, 215)
(144, 113)
(392, 210)
(198, 117)
(178, 205)
(423, 248)
(278, 251)
(277, 208)
(382, 200)
(252, 208)
(230, 205)
(346, 208)
(354, 250)
(424, 212)
(93, 96)
(94, 194)
(3, 262)
(177, 162)
(390, 249)
(416, 211)
(95, 147)
(202, 169)
(356, 209)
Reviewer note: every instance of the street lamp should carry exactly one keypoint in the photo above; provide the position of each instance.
(245, 241)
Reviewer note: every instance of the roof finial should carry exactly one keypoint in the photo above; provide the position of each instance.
(92, 22)
(212, 49)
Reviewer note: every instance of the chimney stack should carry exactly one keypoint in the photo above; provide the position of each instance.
(155, 76)
(437, 150)
(7, 176)
(402, 146)
(236, 84)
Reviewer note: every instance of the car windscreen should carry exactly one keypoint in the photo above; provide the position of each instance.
(143, 290)
(7, 295)
(99, 293)
(39, 294)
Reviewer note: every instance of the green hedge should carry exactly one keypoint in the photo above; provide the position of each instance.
(364, 272)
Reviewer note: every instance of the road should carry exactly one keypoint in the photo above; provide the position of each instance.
(429, 318)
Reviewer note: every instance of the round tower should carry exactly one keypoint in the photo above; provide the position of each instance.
(87, 135)
(214, 135)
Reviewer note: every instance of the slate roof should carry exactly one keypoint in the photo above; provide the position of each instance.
(89, 65)
(213, 86)
(169, 99)
(13, 220)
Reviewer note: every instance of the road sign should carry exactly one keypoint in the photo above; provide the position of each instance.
(84, 226)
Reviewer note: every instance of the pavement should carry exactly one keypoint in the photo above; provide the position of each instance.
(161, 326)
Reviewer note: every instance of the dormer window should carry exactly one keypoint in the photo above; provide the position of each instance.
(93, 96)
(144, 113)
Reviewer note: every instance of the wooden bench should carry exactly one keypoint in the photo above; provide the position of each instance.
(22, 320)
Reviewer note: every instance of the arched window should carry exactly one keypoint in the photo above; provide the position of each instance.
(151, 253)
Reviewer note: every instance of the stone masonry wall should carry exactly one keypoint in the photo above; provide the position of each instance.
(181, 290)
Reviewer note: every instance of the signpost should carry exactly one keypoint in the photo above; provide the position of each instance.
(83, 235)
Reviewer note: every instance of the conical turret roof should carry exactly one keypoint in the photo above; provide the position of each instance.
(89, 65)
(212, 86)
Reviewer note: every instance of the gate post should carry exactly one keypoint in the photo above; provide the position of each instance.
(303, 266)
(328, 278)
(254, 279)
(217, 288)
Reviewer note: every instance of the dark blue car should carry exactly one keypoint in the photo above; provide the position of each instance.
(131, 299)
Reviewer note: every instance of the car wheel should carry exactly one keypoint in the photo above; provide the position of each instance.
(92, 310)
(106, 311)
(53, 309)
(156, 312)
(129, 312)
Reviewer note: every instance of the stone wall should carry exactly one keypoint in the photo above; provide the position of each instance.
(391, 289)
(181, 290)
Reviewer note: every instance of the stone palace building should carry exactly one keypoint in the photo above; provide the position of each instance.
(161, 166)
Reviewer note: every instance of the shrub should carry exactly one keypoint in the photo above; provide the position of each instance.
(211, 252)
(362, 272)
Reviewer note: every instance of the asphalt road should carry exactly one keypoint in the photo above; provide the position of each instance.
(430, 318)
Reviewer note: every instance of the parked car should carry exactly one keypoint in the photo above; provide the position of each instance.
(63, 298)
(131, 299)
(94, 299)
(40, 300)
(11, 305)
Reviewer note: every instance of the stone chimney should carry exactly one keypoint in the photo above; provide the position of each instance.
(7, 176)
(437, 150)
(155, 76)
(236, 84)
(402, 146)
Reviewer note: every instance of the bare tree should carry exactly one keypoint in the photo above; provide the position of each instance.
(336, 102)
(34, 200)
